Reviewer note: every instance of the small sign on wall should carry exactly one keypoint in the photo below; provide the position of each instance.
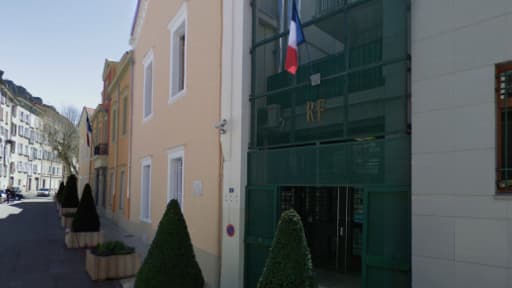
(197, 188)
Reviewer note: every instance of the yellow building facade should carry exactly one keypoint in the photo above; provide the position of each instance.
(176, 148)
(117, 89)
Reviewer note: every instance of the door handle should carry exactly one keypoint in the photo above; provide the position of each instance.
(341, 231)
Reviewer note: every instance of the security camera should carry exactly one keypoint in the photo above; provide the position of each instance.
(221, 126)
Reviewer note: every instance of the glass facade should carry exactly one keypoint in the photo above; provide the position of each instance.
(341, 121)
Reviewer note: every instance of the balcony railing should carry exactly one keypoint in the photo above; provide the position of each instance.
(101, 149)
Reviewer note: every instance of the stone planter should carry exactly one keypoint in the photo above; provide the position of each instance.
(83, 239)
(66, 222)
(111, 267)
(67, 210)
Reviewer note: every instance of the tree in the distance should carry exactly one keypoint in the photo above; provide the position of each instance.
(62, 134)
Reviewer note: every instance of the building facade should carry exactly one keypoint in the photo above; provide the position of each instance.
(118, 93)
(99, 159)
(461, 221)
(29, 161)
(176, 99)
(332, 142)
(84, 149)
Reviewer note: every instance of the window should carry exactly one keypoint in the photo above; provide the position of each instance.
(504, 127)
(145, 201)
(121, 190)
(125, 114)
(112, 187)
(147, 102)
(178, 64)
(114, 125)
(176, 176)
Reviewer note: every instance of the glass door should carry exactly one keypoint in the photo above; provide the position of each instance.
(332, 219)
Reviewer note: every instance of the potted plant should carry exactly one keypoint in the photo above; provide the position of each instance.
(70, 195)
(67, 219)
(85, 228)
(111, 260)
(289, 261)
(171, 261)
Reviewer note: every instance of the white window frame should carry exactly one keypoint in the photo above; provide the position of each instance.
(114, 125)
(176, 153)
(148, 59)
(112, 187)
(145, 162)
(177, 27)
(122, 186)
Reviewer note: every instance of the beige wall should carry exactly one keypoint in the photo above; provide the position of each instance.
(84, 153)
(187, 122)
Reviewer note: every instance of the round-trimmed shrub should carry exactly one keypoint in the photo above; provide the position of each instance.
(289, 261)
(86, 218)
(171, 261)
(70, 197)
(59, 196)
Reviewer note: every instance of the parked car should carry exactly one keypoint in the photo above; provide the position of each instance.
(17, 194)
(43, 192)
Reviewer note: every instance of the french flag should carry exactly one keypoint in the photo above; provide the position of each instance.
(89, 130)
(295, 38)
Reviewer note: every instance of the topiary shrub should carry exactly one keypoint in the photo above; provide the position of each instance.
(86, 218)
(70, 198)
(59, 196)
(289, 261)
(171, 261)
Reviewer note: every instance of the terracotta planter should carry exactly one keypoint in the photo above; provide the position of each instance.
(67, 210)
(66, 222)
(111, 267)
(83, 239)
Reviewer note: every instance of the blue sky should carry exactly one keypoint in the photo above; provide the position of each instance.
(56, 49)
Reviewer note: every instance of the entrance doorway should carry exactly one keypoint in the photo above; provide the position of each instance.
(333, 224)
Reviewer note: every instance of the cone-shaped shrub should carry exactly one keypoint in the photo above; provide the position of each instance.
(60, 193)
(86, 218)
(70, 198)
(171, 261)
(289, 261)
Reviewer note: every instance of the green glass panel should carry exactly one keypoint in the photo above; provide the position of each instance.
(261, 214)
(387, 244)
(254, 268)
(381, 161)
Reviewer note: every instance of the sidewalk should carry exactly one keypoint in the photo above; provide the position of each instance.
(111, 232)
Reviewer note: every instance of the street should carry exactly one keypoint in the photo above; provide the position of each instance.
(32, 249)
